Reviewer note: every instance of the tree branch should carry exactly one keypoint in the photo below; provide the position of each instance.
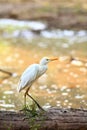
(7, 72)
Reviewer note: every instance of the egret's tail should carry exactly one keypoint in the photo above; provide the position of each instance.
(19, 88)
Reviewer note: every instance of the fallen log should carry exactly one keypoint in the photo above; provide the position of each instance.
(52, 119)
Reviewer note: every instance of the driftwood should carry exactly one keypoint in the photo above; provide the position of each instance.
(53, 119)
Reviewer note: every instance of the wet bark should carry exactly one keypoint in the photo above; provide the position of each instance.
(52, 119)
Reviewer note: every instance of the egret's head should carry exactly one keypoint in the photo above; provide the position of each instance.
(46, 60)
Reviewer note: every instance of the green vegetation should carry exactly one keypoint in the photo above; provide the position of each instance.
(32, 114)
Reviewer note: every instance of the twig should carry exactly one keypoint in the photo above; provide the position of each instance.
(4, 71)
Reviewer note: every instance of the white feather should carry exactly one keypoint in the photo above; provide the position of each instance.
(28, 76)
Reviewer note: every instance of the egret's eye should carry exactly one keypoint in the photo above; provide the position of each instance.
(47, 59)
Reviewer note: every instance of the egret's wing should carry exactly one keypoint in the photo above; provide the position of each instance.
(28, 76)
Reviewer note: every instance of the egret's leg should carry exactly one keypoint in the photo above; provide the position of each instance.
(26, 95)
(35, 102)
(24, 102)
(25, 99)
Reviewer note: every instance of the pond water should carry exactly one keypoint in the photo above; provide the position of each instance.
(25, 42)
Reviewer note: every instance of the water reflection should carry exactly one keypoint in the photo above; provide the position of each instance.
(28, 29)
(31, 24)
(64, 84)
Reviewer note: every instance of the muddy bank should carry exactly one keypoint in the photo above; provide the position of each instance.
(60, 19)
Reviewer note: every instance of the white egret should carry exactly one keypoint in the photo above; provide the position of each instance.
(31, 74)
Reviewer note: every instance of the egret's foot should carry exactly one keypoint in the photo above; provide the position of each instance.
(25, 108)
(40, 108)
(38, 105)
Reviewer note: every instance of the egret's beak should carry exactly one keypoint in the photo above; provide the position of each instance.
(54, 58)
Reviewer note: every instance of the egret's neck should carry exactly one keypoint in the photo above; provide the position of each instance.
(43, 63)
(43, 68)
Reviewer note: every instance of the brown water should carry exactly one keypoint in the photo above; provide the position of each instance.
(64, 84)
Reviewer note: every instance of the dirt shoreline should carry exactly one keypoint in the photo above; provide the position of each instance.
(27, 11)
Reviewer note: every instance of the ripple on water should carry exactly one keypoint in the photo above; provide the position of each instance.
(8, 92)
(7, 105)
(79, 96)
(24, 29)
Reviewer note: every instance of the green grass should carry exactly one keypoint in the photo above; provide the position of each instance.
(32, 114)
